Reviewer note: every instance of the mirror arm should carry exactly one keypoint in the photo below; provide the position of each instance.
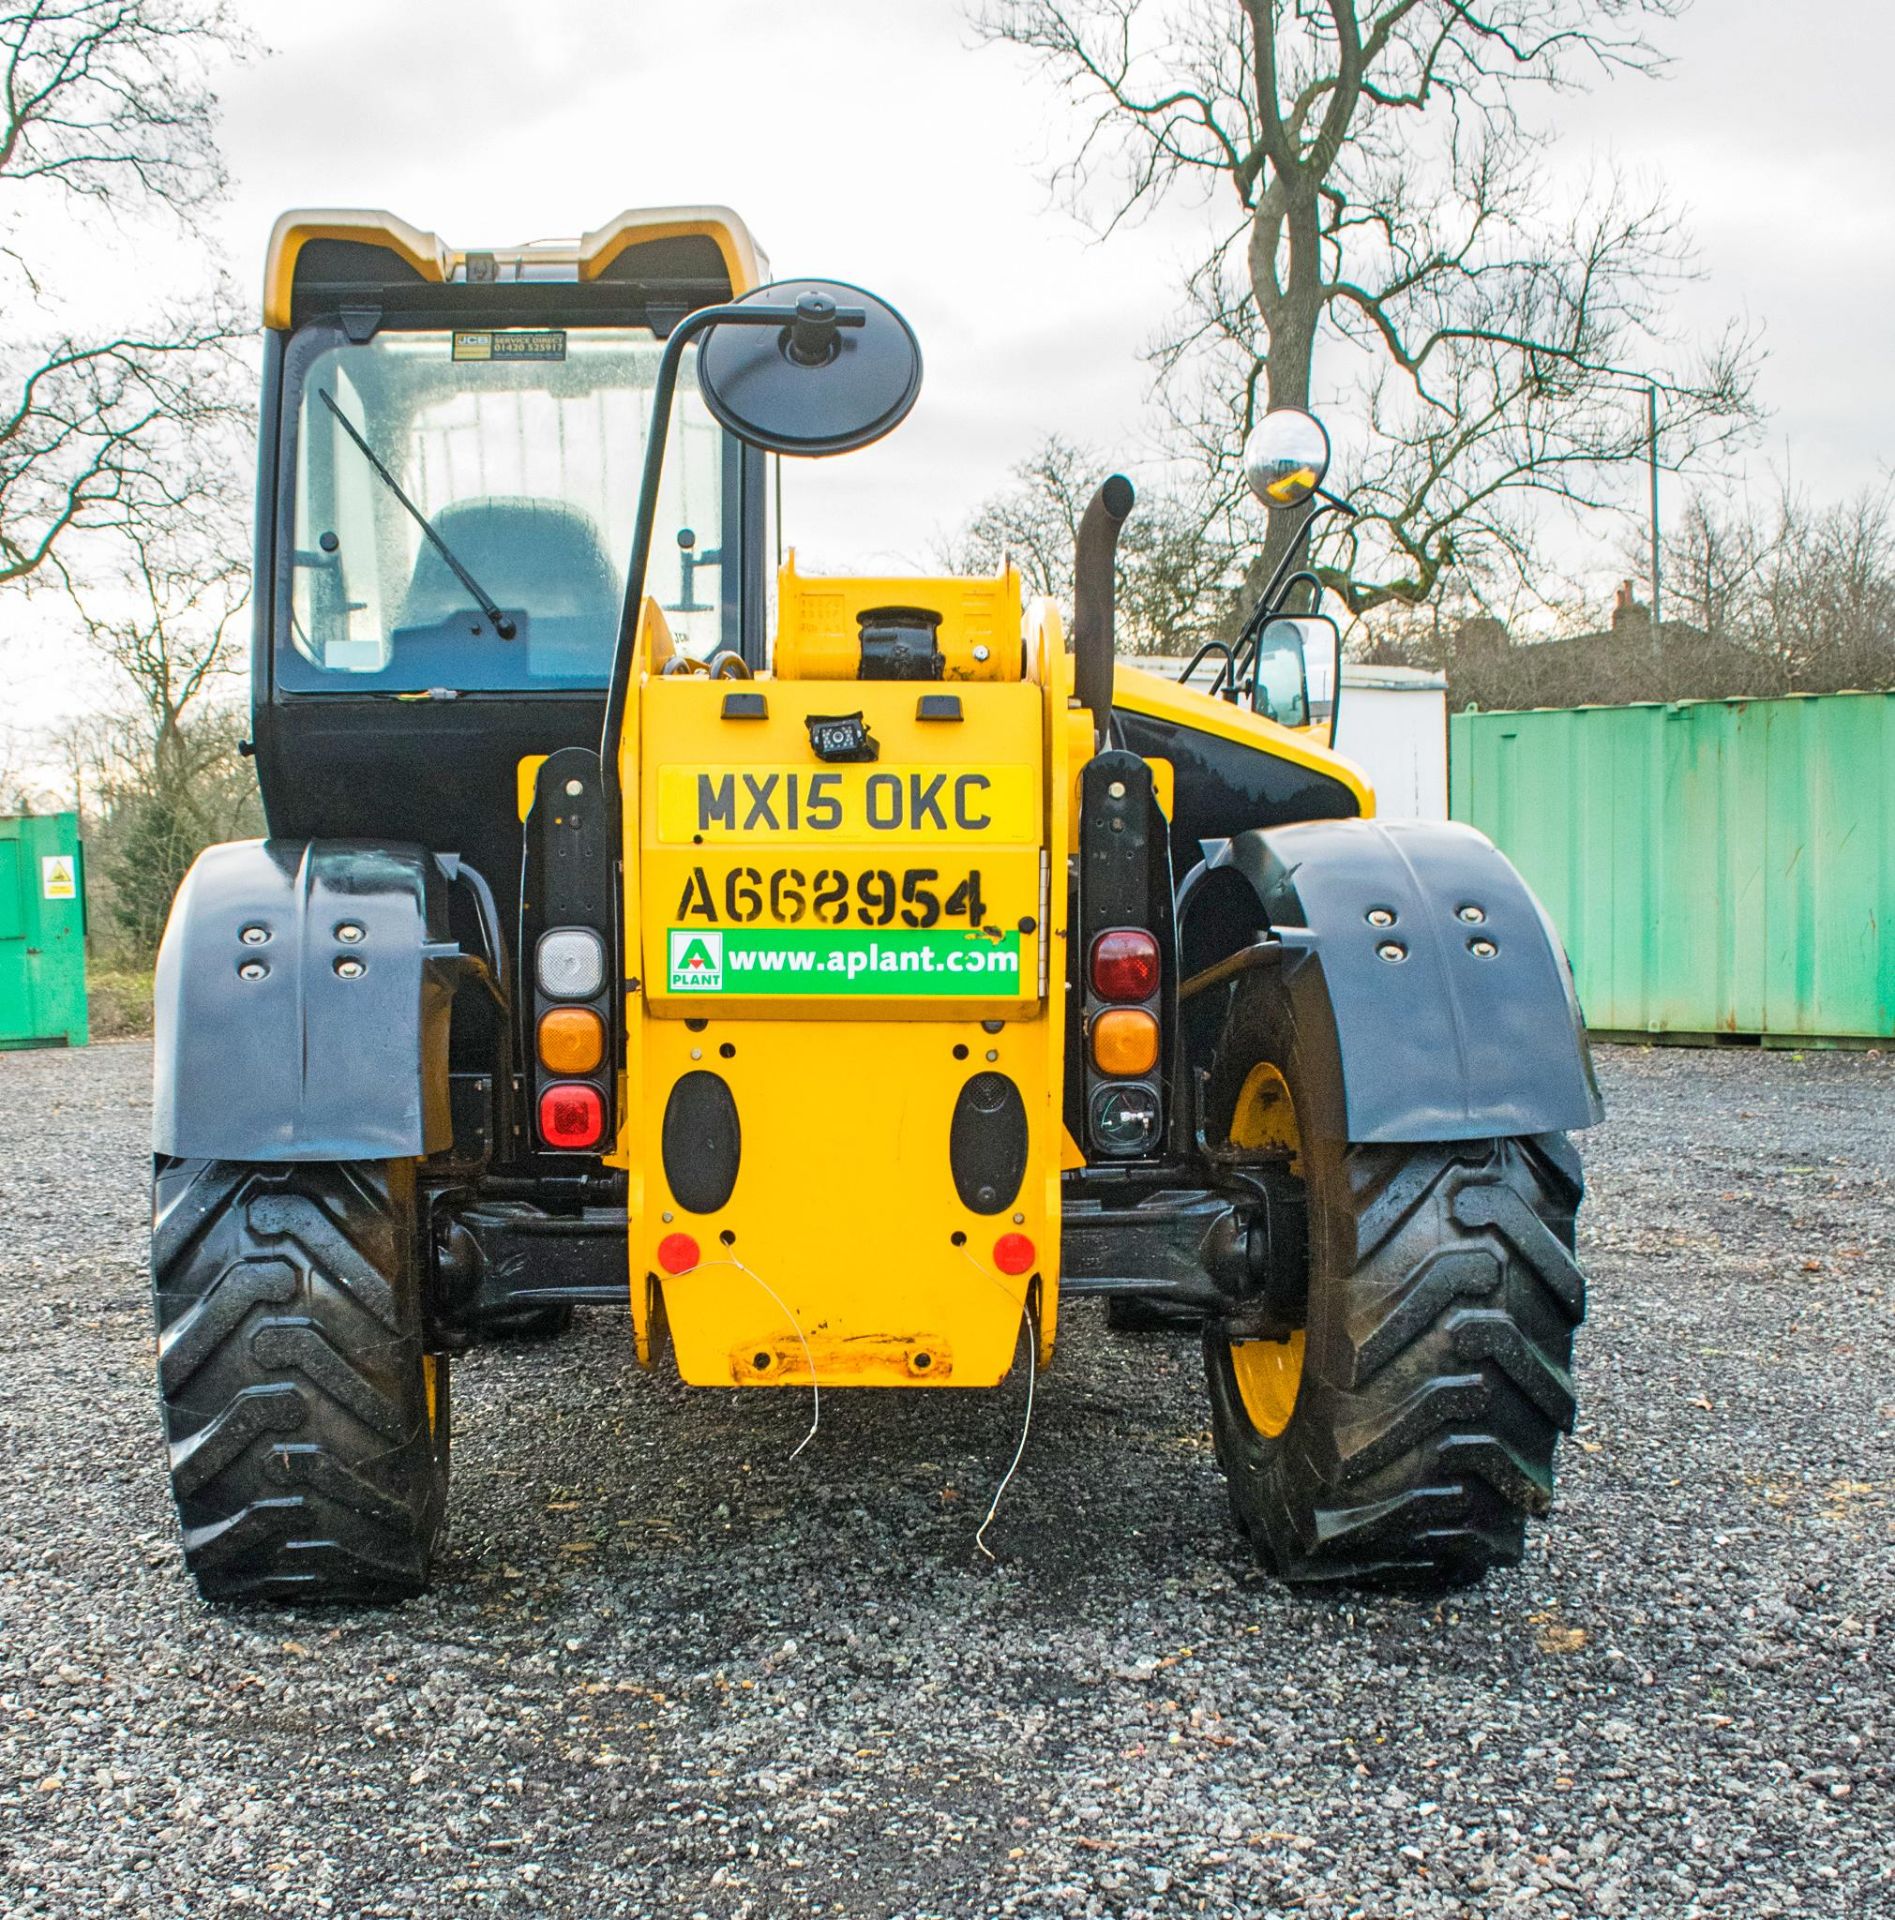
(1197, 659)
(1288, 567)
(664, 390)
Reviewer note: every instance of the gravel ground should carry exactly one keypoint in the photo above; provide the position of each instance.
(665, 1671)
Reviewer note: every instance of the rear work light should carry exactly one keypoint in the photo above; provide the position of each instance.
(1125, 964)
(572, 1115)
(1124, 1042)
(572, 1040)
(1125, 1119)
(571, 964)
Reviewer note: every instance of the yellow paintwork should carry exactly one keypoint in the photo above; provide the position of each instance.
(711, 857)
(1269, 1372)
(433, 260)
(526, 775)
(817, 634)
(1152, 694)
(655, 644)
(838, 1244)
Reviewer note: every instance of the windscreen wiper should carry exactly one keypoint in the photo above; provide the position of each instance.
(482, 599)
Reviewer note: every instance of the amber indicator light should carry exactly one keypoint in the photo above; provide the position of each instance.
(572, 1040)
(1124, 1042)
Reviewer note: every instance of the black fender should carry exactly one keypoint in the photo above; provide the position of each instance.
(1454, 1020)
(301, 1061)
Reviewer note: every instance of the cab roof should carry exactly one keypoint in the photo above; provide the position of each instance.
(323, 258)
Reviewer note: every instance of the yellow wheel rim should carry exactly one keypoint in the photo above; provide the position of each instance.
(428, 1364)
(1265, 1118)
(1269, 1372)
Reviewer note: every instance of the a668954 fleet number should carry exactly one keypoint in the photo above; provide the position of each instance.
(832, 897)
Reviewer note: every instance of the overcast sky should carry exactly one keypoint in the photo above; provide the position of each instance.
(875, 142)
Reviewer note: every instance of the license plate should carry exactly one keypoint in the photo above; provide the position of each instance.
(848, 804)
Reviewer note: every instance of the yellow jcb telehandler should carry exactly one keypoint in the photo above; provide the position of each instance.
(841, 978)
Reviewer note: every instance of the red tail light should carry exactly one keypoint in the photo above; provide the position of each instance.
(1125, 964)
(572, 1115)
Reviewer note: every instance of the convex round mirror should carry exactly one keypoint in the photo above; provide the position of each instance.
(811, 386)
(1286, 457)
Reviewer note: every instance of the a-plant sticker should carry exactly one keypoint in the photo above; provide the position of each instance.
(831, 961)
(697, 962)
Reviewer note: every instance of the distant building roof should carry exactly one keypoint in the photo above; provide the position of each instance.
(1354, 673)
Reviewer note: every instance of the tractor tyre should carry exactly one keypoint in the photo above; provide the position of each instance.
(306, 1421)
(1405, 1432)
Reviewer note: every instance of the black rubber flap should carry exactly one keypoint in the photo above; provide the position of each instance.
(753, 383)
(987, 1143)
(702, 1142)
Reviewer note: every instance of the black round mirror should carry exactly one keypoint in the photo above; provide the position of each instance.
(811, 386)
(1286, 457)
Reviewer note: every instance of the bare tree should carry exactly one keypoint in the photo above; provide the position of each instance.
(1711, 558)
(1820, 609)
(1781, 599)
(171, 625)
(1387, 187)
(165, 773)
(1175, 565)
(106, 108)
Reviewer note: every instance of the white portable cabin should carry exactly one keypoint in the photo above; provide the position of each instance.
(1394, 724)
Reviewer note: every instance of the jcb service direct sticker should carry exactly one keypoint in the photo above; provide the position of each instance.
(766, 960)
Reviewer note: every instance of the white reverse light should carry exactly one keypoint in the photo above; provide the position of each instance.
(571, 964)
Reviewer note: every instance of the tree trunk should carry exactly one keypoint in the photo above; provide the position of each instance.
(1290, 308)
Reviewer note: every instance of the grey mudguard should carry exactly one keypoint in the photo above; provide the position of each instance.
(300, 1061)
(1446, 1042)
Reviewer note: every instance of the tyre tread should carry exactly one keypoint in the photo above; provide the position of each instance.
(289, 1372)
(1425, 1432)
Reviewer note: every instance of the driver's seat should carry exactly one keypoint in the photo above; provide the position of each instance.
(538, 558)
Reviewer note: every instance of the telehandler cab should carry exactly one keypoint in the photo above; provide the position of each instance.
(843, 978)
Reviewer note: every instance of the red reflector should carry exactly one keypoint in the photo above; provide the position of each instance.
(571, 1115)
(1125, 964)
(677, 1253)
(1013, 1253)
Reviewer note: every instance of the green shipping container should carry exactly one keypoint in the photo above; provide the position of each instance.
(42, 932)
(1716, 868)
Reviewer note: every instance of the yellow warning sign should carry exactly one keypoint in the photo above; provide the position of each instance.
(57, 878)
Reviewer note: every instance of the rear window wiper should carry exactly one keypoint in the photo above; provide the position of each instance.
(482, 599)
